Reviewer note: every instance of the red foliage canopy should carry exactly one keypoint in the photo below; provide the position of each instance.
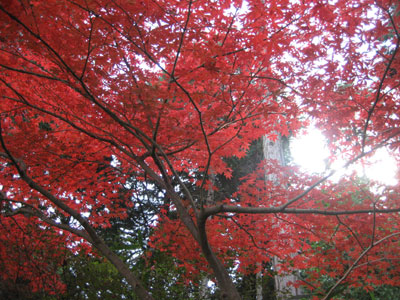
(96, 92)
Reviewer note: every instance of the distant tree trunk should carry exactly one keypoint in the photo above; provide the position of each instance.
(275, 150)
(204, 288)
(284, 291)
(259, 287)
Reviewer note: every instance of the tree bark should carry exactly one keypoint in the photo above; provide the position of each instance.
(275, 151)
(228, 289)
(204, 288)
(259, 287)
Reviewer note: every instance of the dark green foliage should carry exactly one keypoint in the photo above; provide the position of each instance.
(45, 126)
(89, 278)
(20, 290)
(165, 279)
(240, 168)
(247, 285)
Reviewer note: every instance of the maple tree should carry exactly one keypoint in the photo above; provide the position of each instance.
(95, 93)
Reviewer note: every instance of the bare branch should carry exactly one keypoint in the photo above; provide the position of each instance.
(351, 268)
(95, 239)
(210, 211)
(380, 87)
(35, 212)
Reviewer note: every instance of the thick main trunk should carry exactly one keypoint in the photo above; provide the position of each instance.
(228, 289)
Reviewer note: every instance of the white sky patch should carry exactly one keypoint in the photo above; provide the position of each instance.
(310, 152)
(239, 12)
(383, 167)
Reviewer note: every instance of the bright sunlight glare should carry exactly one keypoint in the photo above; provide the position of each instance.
(383, 167)
(310, 152)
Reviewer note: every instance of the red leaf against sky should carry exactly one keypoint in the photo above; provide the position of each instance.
(95, 93)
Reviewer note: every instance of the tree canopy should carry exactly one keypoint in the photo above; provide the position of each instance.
(114, 106)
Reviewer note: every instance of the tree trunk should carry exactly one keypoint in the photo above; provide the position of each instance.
(225, 283)
(284, 291)
(204, 288)
(228, 289)
(259, 287)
